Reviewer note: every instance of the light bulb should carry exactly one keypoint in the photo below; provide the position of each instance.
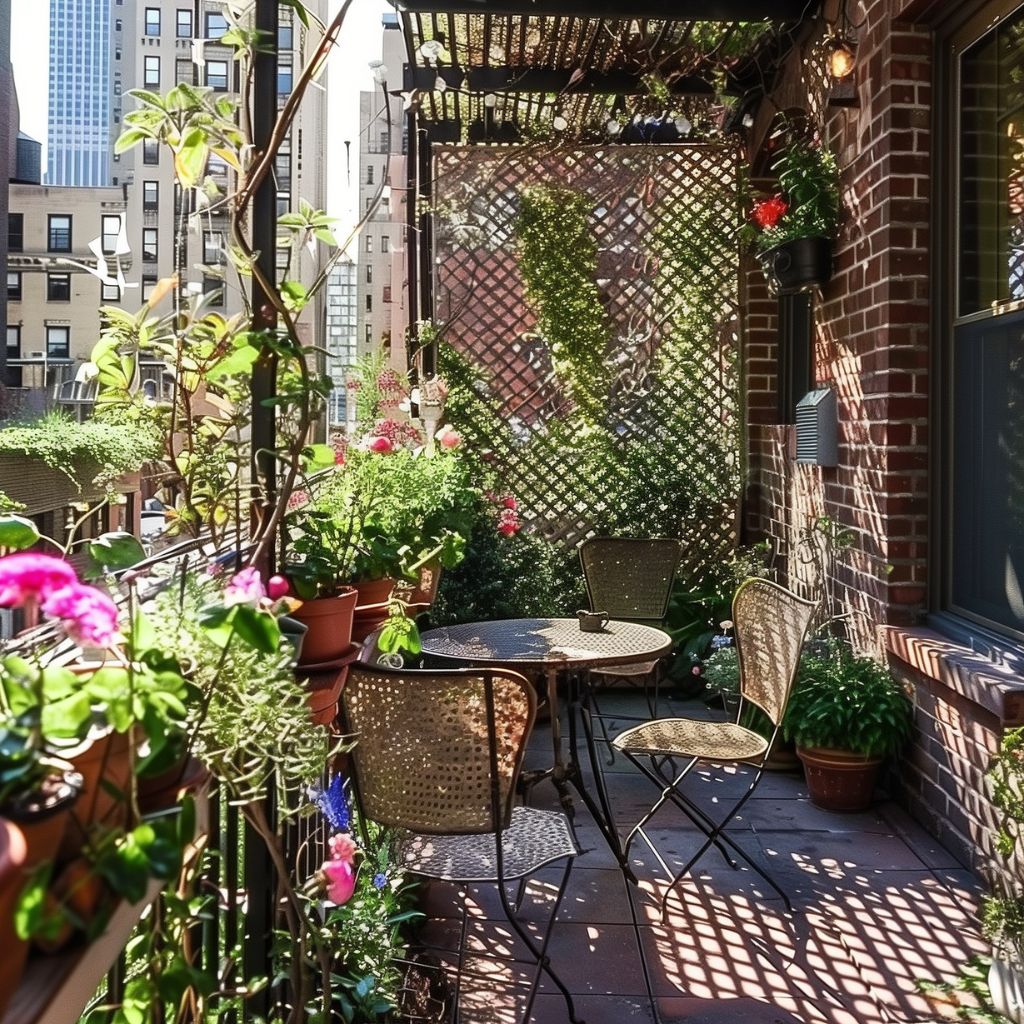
(841, 58)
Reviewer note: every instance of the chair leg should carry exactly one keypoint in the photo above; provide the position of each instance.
(604, 727)
(666, 790)
(540, 954)
(464, 896)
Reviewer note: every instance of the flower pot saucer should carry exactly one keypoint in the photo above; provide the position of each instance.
(334, 664)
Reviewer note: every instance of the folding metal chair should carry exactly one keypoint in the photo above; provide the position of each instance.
(630, 578)
(770, 625)
(437, 756)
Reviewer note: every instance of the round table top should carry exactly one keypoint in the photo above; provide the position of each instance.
(542, 642)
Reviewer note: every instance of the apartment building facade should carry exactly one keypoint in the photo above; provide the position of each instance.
(342, 337)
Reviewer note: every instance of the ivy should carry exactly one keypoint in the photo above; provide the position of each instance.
(558, 263)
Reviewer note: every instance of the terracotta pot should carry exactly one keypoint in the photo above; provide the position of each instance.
(324, 685)
(13, 853)
(838, 780)
(374, 592)
(329, 626)
(104, 762)
(166, 789)
(419, 596)
(42, 822)
(798, 265)
(372, 607)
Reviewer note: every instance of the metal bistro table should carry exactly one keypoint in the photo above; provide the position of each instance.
(556, 648)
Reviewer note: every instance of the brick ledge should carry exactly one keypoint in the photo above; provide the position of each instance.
(972, 675)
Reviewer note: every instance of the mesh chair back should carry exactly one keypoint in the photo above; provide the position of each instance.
(630, 578)
(426, 744)
(771, 624)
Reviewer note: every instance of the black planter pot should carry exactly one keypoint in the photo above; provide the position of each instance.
(798, 265)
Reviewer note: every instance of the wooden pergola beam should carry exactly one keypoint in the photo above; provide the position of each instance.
(546, 80)
(668, 10)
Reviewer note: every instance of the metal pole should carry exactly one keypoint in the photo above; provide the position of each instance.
(264, 232)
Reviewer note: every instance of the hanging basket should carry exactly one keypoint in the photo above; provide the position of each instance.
(798, 265)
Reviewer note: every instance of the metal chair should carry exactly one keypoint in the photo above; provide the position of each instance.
(771, 625)
(630, 578)
(437, 756)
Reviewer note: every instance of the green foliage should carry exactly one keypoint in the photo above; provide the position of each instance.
(722, 673)
(1003, 922)
(847, 702)
(558, 263)
(71, 447)
(967, 996)
(1006, 773)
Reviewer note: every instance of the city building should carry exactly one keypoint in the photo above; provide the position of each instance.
(8, 147)
(80, 87)
(382, 143)
(342, 337)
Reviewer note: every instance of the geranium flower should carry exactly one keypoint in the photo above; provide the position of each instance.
(245, 587)
(508, 523)
(31, 576)
(342, 847)
(339, 878)
(509, 502)
(89, 616)
(768, 212)
(380, 445)
(449, 438)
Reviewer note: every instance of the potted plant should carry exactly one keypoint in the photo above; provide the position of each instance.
(846, 714)
(13, 852)
(792, 231)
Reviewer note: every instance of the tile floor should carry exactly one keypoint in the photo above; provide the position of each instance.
(878, 903)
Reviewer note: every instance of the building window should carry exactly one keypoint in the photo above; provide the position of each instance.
(385, 243)
(283, 171)
(15, 232)
(150, 248)
(58, 342)
(151, 72)
(13, 341)
(368, 333)
(983, 580)
(385, 141)
(216, 25)
(216, 166)
(369, 273)
(284, 36)
(152, 21)
(150, 195)
(148, 284)
(369, 174)
(111, 229)
(386, 297)
(213, 248)
(118, 25)
(369, 303)
(13, 285)
(283, 259)
(184, 71)
(284, 201)
(369, 243)
(183, 24)
(110, 293)
(217, 75)
(214, 287)
(58, 287)
(59, 232)
(150, 152)
(284, 78)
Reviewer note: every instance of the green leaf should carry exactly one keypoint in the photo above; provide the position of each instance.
(318, 456)
(300, 10)
(112, 552)
(190, 160)
(294, 296)
(258, 629)
(17, 533)
(129, 139)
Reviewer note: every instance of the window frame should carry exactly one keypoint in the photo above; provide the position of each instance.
(104, 233)
(109, 292)
(50, 354)
(178, 34)
(146, 22)
(19, 219)
(209, 19)
(58, 281)
(153, 257)
(226, 76)
(154, 203)
(150, 60)
(151, 148)
(16, 328)
(50, 218)
(15, 294)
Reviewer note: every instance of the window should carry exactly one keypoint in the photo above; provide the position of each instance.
(369, 303)
(58, 342)
(148, 284)
(283, 171)
(983, 576)
(151, 72)
(216, 166)
(385, 141)
(385, 243)
(284, 78)
(214, 286)
(13, 341)
(58, 287)
(369, 174)
(118, 25)
(368, 334)
(13, 286)
(369, 273)
(152, 21)
(183, 24)
(283, 259)
(59, 233)
(150, 152)
(184, 71)
(110, 293)
(284, 36)
(217, 75)
(284, 201)
(111, 228)
(150, 249)
(213, 248)
(150, 195)
(216, 25)
(15, 232)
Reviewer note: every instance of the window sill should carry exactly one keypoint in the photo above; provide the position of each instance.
(974, 676)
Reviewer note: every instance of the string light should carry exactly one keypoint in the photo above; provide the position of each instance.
(841, 57)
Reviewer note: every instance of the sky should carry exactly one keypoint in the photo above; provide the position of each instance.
(348, 73)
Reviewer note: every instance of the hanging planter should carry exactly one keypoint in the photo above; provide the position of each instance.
(798, 265)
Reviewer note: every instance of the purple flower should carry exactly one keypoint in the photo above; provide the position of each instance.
(31, 576)
(333, 804)
(88, 615)
(380, 880)
(245, 587)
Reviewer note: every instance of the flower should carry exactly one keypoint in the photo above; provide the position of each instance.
(508, 523)
(89, 616)
(381, 445)
(718, 642)
(342, 847)
(31, 576)
(449, 437)
(245, 587)
(509, 502)
(725, 624)
(768, 212)
(277, 587)
(333, 804)
(380, 880)
(696, 670)
(339, 880)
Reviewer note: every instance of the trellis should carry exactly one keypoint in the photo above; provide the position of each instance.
(666, 455)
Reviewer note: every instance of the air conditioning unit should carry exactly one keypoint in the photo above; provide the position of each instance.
(817, 428)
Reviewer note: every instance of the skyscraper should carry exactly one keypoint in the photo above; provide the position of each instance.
(341, 336)
(78, 138)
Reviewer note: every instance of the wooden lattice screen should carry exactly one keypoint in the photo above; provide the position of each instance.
(665, 456)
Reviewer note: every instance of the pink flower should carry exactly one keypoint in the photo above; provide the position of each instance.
(339, 458)
(339, 878)
(342, 847)
(297, 499)
(245, 587)
(277, 587)
(381, 445)
(32, 576)
(449, 438)
(89, 616)
(508, 523)
(696, 670)
(509, 502)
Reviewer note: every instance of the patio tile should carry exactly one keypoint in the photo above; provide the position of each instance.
(596, 895)
(722, 1011)
(931, 852)
(550, 1009)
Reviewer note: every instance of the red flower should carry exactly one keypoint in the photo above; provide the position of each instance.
(508, 523)
(768, 212)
